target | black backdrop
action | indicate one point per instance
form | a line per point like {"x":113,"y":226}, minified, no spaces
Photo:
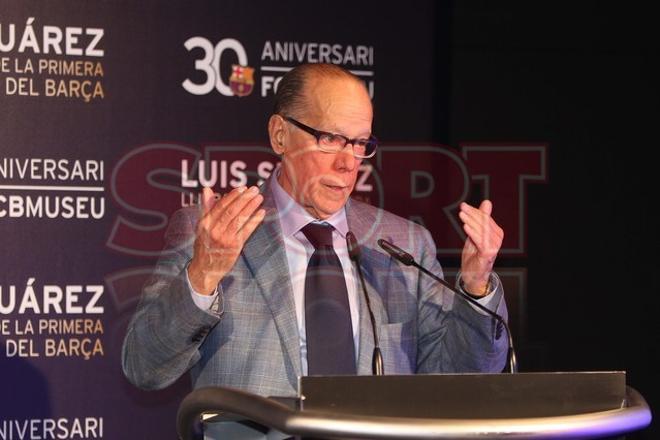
{"x":581,"y":76}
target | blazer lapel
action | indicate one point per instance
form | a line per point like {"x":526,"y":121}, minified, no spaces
{"x":265,"y":256}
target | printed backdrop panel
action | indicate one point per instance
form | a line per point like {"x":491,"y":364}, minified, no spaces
{"x":114,"y":114}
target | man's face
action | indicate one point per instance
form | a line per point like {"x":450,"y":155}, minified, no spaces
{"x":322,"y":182}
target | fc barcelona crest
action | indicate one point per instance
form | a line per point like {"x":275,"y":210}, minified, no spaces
{"x":241,"y":80}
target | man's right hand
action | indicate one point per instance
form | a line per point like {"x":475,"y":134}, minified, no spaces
{"x":222,"y":230}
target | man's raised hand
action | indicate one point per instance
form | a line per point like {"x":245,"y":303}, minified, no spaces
{"x":222,"y":230}
{"x":484,"y":240}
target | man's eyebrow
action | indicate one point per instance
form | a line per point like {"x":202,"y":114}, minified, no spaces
{"x":336,"y":130}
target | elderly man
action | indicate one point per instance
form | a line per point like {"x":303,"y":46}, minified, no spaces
{"x":257,"y":289}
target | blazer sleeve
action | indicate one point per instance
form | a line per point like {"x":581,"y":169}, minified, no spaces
{"x":453,"y":337}
{"x":163,"y":338}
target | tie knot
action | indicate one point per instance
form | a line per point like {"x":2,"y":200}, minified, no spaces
{"x":319,"y":234}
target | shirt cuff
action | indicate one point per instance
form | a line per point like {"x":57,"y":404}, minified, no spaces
{"x":204,"y":302}
{"x":490,"y":300}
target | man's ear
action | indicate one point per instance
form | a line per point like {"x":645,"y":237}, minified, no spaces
{"x":276,"y":133}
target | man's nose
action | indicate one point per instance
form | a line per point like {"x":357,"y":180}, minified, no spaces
{"x":345,"y":160}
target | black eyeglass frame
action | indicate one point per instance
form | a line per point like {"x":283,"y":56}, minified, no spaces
{"x":372,"y":141}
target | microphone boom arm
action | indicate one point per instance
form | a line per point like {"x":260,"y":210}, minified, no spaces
{"x":354,"y":254}
{"x":408,"y":260}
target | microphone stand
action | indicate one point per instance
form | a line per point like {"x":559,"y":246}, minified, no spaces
{"x":354,"y":254}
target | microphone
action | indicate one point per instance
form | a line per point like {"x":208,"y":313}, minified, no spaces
{"x":408,"y":260}
{"x":354,"y":255}
{"x":398,"y":253}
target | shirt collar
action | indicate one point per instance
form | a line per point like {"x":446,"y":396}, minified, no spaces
{"x":293,"y":217}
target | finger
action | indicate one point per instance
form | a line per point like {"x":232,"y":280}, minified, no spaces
{"x":480,"y":217}
{"x":234,"y":209}
{"x":488,"y":244}
{"x":226,"y":209}
{"x":469,"y":247}
{"x":469,"y":209}
{"x":474,"y":218}
{"x":486,"y":207}
{"x":225,"y":201}
{"x":477,"y":238}
{"x":249,"y":226}
{"x":208,"y":199}
{"x":242,"y":217}
{"x":474,"y":234}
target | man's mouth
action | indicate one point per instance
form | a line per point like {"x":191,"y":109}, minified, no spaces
{"x":335,"y":187}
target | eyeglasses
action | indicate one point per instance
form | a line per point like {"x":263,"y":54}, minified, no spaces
{"x":334,"y":143}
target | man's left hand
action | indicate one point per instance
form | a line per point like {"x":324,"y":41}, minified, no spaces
{"x":484,"y":240}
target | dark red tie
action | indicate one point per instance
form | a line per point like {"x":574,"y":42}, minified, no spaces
{"x":330,"y":347}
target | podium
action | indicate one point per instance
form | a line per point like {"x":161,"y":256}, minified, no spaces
{"x":438,"y":406}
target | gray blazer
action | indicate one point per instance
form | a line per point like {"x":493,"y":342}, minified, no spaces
{"x":249,"y":340}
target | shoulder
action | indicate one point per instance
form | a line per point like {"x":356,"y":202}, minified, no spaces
{"x":374,"y":223}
